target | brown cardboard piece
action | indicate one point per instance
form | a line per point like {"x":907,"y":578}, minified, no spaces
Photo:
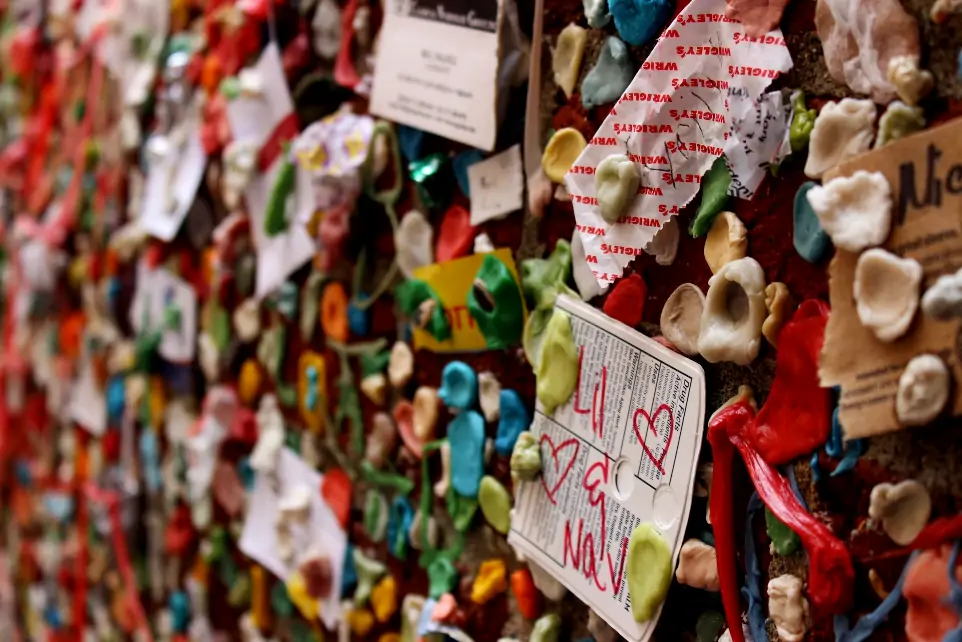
{"x":925,"y":172}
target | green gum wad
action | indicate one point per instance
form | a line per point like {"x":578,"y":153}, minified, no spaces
{"x":526,"y":457}
{"x":374,"y":363}
{"x":649,"y":571}
{"x":496,"y":305}
{"x":442,"y":577}
{"x":557,"y":371}
{"x":898,"y":121}
{"x":802,"y":123}
{"x":369,"y":571}
{"x":495,"y":504}
{"x":461,"y":509}
{"x":420,"y":302}
{"x":542,"y":281}
{"x":714,"y":196}
{"x":546,"y":628}
{"x":784,"y":539}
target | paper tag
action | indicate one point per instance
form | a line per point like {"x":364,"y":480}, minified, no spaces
{"x":623,"y":451}
{"x":451,"y":281}
{"x":924,"y":173}
{"x":758,"y":140}
{"x":156,"y":290}
{"x":673,"y":120}
{"x":497,"y":186}
{"x":437,"y":68}
{"x":176,"y":177}
{"x":88,"y":403}
{"x":259,"y":538}
{"x":280,"y":256}
{"x":255,"y":119}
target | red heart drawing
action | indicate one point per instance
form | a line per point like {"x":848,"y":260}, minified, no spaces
{"x":554,"y":455}
{"x":651,"y":426}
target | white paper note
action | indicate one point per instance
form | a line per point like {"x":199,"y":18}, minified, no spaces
{"x":255,"y":118}
{"x":437,"y":68}
{"x":758,"y":139}
{"x":176,"y":176}
{"x":496,"y":185}
{"x":259,"y":538}
{"x":88,"y":403}
{"x":673,"y":120}
{"x":622,"y":451}
{"x":156,"y":290}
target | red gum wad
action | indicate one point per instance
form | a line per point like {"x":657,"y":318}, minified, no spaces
{"x":626,"y":303}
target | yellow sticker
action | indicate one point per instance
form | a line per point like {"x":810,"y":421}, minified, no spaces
{"x":452,"y":281}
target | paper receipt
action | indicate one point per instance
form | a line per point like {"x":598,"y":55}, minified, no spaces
{"x":622,"y":451}
{"x":673,"y":121}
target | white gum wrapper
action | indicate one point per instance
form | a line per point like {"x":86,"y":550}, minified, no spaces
{"x":673,"y":120}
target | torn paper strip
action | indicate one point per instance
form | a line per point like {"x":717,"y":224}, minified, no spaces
{"x":758,"y":138}
{"x":674,"y":120}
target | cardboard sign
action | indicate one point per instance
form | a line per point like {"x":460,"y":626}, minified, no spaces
{"x":452,"y":280}
{"x":437,"y":68}
{"x":622,"y":451}
{"x":925,"y":173}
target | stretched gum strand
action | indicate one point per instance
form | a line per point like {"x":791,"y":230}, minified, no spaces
{"x":830,"y":570}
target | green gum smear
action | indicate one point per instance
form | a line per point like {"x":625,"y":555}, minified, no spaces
{"x":496,"y":305}
{"x":649,"y":571}
{"x":410,"y":295}
{"x":714,"y":196}
{"x":557,"y":371}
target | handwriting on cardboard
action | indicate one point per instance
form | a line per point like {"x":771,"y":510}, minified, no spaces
{"x":925,"y":173}
{"x":621,"y":452}
{"x":673,"y":120}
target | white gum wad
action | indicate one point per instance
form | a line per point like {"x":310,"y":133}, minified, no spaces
{"x":855,"y":211}
{"x":923,"y":390}
{"x":731,"y":323}
{"x":886,"y":292}
{"x":842,"y":130}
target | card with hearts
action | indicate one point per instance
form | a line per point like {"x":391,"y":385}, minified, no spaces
{"x":621,"y":452}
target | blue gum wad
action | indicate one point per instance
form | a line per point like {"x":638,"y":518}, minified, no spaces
{"x":398,"y":526}
{"x":459,"y":386}
{"x":461,"y":163}
{"x":557,"y":371}
{"x":466,"y":437}
{"x":639,"y":21}
{"x":358,"y":319}
{"x":610,"y":76}
{"x":410,"y":140}
{"x":348,"y":572}
{"x":514,"y":420}
{"x":810,"y":240}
